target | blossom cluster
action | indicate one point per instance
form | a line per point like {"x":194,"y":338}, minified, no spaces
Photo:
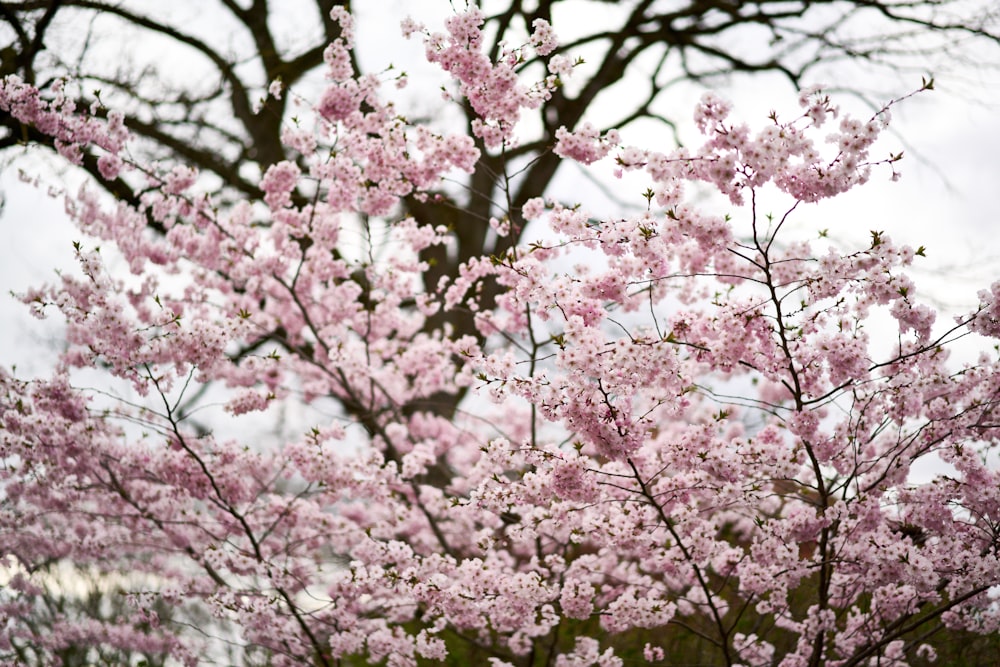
{"x":493,"y":89}
{"x":672,"y":421}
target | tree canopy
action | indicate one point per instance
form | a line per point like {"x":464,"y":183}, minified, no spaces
{"x":663,"y":435}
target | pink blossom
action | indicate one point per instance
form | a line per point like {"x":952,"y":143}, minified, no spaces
{"x":662,"y":418}
{"x":275,"y":89}
{"x":543,"y":38}
{"x":278,"y":183}
{"x":585,"y":145}
{"x":533,"y":209}
{"x":560,"y":65}
{"x":338,"y":102}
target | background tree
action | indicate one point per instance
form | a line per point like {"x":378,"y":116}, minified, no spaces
{"x":613,"y":490}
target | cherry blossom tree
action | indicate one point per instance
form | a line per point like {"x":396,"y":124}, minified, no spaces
{"x":197,"y":106}
{"x":681,"y":434}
